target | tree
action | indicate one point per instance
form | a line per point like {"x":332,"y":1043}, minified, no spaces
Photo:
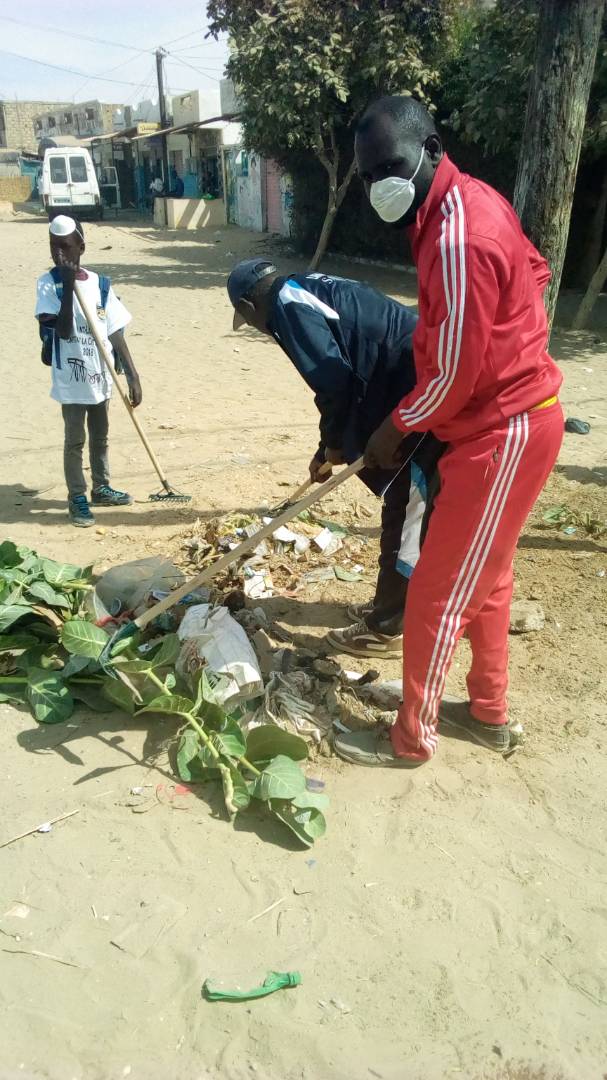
{"x":305,"y":69}
{"x":567,"y":43}
{"x":591,"y":295}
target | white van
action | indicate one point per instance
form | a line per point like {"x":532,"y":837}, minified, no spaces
{"x":69,"y":183}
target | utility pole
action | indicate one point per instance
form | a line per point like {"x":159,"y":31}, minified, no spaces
{"x":160,"y":55}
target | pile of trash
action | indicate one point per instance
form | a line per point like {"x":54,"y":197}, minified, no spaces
{"x":252,"y":665}
{"x":294,"y":559}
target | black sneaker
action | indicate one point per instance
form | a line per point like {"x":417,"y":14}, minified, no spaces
{"x":80,"y":512}
{"x":455,"y":713}
{"x":108,"y":496}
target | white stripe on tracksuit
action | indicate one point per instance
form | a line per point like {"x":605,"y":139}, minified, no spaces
{"x":454,"y":280}
{"x":467,"y":579}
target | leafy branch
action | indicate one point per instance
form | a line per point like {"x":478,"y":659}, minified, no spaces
{"x":50,"y":659}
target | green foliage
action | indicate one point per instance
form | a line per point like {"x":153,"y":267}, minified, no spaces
{"x":305,"y":67}
{"x":51,"y":665}
{"x":485,"y":76}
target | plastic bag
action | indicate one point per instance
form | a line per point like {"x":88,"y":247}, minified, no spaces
{"x":212,"y":638}
{"x":132,"y":582}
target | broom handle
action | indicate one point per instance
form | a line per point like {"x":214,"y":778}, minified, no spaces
{"x":102,"y":350}
{"x":324,"y":468}
{"x":247,"y":545}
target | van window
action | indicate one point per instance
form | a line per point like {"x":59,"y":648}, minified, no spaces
{"x":58,"y":170}
{"x":78,"y":170}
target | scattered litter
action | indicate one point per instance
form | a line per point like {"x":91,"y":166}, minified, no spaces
{"x":289,"y":702}
{"x":600,"y":573}
{"x":45,"y":827}
{"x":526,"y":616}
{"x":328,"y":542}
{"x":18,"y":911}
{"x":311,"y":863}
{"x":274,"y":980}
{"x":576,"y":427}
{"x":257,"y":584}
{"x":315,"y":785}
{"x":340,"y":1005}
{"x":43,"y":956}
{"x":266,"y":911}
{"x":213,"y":639}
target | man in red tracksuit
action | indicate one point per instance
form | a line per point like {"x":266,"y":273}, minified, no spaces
{"x":485,"y":385}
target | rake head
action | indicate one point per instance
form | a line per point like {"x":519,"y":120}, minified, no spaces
{"x":170,"y":496}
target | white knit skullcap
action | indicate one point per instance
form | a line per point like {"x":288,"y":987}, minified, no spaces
{"x":63,"y":225}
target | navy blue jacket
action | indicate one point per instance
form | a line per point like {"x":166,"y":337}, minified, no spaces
{"x":353,"y":347}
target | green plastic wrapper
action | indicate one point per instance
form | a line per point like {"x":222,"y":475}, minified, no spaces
{"x":274,"y":980}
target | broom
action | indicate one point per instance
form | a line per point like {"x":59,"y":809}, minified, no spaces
{"x":169,"y":494}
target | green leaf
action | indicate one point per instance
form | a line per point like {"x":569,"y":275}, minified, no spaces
{"x":83,"y":638}
{"x":14,"y":642}
{"x":188,"y":763}
{"x":168,"y":652}
{"x":118,"y":694}
{"x":11,"y":613}
{"x":73,"y":665}
{"x":281,"y":779}
{"x":60,"y":573}
{"x":235,"y":792}
{"x":307,"y":824}
{"x":133,"y":665}
{"x":49,"y":697}
{"x":311,"y":800}
{"x":268,"y":740}
{"x":9,"y":554}
{"x":171,"y":704}
{"x":92,"y":696}
{"x":230,"y":740}
{"x":43,"y":591}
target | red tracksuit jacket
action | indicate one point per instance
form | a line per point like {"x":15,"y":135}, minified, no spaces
{"x":480,"y":343}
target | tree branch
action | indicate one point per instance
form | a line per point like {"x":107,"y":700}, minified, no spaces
{"x":345,"y":184}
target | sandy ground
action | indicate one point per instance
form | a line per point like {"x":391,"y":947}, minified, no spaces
{"x":453,"y":920}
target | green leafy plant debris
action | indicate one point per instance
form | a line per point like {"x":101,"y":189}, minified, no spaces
{"x":49,"y":660}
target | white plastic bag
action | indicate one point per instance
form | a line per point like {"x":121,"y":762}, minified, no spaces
{"x":211,"y":637}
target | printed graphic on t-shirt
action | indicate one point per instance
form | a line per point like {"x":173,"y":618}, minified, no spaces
{"x":79,"y":374}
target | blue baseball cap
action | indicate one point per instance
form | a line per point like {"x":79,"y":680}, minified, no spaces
{"x":243,"y":279}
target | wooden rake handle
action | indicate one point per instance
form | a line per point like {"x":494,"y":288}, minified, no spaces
{"x":103,"y":352}
{"x":247,"y":545}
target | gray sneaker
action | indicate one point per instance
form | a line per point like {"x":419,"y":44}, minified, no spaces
{"x":453,"y":712}
{"x":371,"y":748}
{"x":358,"y":640}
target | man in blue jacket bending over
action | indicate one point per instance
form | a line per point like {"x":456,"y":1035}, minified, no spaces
{"x":352,"y":345}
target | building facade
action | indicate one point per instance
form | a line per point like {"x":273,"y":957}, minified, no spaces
{"x":84,"y":120}
{"x":17,"y":122}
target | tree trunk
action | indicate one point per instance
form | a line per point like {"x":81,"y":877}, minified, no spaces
{"x":330,"y":160}
{"x":567,"y":42}
{"x":591,"y":295}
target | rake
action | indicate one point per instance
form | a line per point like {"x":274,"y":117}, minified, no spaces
{"x":131,"y":628}
{"x":169,"y":494}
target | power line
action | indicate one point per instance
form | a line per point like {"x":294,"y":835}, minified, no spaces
{"x":73,"y":71}
{"x":72,"y":33}
{"x":128,"y":60}
{"x":178,"y":60}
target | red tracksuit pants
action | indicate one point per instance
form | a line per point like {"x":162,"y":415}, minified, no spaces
{"x":463,"y":580}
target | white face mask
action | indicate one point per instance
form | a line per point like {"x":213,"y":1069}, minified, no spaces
{"x":393,"y":196}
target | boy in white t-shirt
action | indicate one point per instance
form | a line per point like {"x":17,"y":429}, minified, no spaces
{"x":80,"y":381}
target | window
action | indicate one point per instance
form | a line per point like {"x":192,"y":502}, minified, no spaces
{"x":58,"y":170}
{"x":51,"y":121}
{"x":67,"y":118}
{"x":78,"y":170}
{"x":90,"y":114}
{"x":38,"y":125}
